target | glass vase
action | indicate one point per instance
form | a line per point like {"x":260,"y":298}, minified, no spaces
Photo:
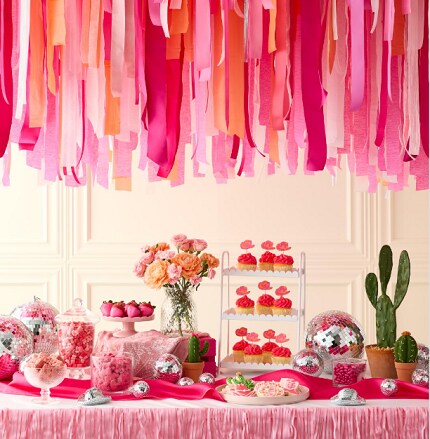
{"x":178,"y":312}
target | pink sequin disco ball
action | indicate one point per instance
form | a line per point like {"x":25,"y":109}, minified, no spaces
{"x":335,"y":335}
{"x":168,"y":368}
{"x":16,"y":342}
{"x":39,"y":317}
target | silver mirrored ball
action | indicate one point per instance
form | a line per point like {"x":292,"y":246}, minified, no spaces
{"x":140,"y":389}
{"x":389,"y":387}
{"x":421,"y":377}
{"x":307,"y":361}
{"x":185,"y":381}
{"x":207,"y":378}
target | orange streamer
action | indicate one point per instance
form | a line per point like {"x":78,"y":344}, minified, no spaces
{"x":178,"y":19}
{"x":398,"y":42}
{"x":189,"y":37}
{"x":218,"y":75}
{"x":112,"y":115}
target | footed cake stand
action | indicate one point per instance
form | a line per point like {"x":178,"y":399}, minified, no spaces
{"x":127,"y":324}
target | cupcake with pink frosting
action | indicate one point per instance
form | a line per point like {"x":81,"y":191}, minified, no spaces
{"x":244,"y":305}
{"x":283,"y":262}
{"x":247,"y":261}
{"x":265,"y":263}
{"x":282,"y":305}
{"x":265,"y":301}
{"x":253,"y":352}
{"x":281,"y":355}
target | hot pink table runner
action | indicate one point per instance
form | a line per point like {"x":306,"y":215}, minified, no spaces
{"x":320,"y":388}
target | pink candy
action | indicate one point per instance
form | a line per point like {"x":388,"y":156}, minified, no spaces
{"x":111,"y":373}
{"x":345,"y":374}
{"x":76,"y":340}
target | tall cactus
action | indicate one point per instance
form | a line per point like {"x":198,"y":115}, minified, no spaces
{"x":405,"y":349}
{"x":386,"y":324}
{"x":194,"y":352}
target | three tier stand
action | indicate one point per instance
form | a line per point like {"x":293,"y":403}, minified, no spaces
{"x":228,"y":312}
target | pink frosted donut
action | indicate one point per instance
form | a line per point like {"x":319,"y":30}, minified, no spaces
{"x":269,"y":388}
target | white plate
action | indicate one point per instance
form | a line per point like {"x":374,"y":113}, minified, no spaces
{"x":265,"y":400}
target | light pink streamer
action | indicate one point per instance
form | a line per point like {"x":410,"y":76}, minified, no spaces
{"x":117,"y":46}
{"x":357,"y":55}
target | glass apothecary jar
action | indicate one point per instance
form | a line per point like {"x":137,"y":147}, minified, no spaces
{"x":112,"y":373}
{"x":348,"y":371}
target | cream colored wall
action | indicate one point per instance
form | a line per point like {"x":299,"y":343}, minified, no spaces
{"x":58,"y":243}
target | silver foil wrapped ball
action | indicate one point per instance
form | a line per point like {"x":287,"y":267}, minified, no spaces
{"x":39,"y":317}
{"x":389,"y":387}
{"x":335,"y":335}
{"x":307,"y":361}
{"x":140,"y":389}
{"x":421,"y":377}
{"x":16,"y":342}
{"x":423,"y":356}
{"x":185,"y":381}
{"x":168,"y":368}
{"x":207,"y":378}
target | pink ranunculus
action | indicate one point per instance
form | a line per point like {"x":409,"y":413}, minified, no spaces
{"x":147,"y":258}
{"x":199,"y":245}
{"x":195,"y":280}
{"x":178,"y":240}
{"x":139,"y":269}
{"x":166,"y":254}
{"x":186,"y":245}
{"x":174,"y":272}
{"x":211,"y":273}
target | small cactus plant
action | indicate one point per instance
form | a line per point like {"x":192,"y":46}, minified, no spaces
{"x":386,"y":324}
{"x":405,"y":349}
{"x":194,"y":352}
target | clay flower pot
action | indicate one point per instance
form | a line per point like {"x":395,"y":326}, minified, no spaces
{"x":381,"y":362}
{"x":405,"y":370}
{"x":192,"y":370}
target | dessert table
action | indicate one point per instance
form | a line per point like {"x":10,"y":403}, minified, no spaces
{"x":207,"y":418}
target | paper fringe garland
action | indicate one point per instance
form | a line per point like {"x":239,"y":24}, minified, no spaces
{"x":85,"y":83}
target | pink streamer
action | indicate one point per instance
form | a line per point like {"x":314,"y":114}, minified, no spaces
{"x":255,"y":29}
{"x":357,"y":55}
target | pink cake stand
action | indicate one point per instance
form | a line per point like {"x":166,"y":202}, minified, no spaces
{"x":127,"y":324}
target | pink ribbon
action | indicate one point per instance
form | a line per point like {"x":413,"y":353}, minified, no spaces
{"x":265,"y":81}
{"x":357,"y":55}
{"x":312,"y":91}
{"x":6,"y":97}
{"x":423,"y":68}
{"x":202,"y":40}
{"x":382,"y":116}
{"x":255,"y":29}
{"x":117,"y":46}
{"x":139,"y":48}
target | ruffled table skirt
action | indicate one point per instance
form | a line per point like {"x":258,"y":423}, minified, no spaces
{"x":171,"y":419}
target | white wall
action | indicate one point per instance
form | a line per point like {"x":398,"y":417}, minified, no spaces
{"x":59,"y":243}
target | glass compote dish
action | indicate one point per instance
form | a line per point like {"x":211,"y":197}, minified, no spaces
{"x":44,"y":372}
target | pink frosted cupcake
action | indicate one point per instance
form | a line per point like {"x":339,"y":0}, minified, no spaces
{"x":283,"y":263}
{"x":247,"y":262}
{"x":253,"y":354}
{"x":281,"y":355}
{"x":264,"y":304}
{"x":238,"y":351}
{"x":267,"y":349}
{"x":266,"y":260}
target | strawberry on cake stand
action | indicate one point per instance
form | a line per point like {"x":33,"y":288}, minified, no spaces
{"x":128,"y":314}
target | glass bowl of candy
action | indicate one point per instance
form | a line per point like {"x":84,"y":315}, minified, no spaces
{"x":44,"y":371}
{"x":348,"y":371}
{"x":112,"y":372}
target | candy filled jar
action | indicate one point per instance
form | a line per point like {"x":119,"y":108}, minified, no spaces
{"x":112,"y":373}
{"x":76,"y":329}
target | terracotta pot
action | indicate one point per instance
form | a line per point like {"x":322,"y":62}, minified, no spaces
{"x":381,"y":362}
{"x":405,"y":370}
{"x":192,"y":370}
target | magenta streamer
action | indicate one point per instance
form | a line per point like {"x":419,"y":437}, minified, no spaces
{"x":6,"y":73}
{"x":155,"y":69}
{"x":357,"y":55}
{"x":383,"y":103}
{"x":312,"y":91}
{"x":264,"y":85}
{"x":139,"y":53}
{"x":423,"y":66}
{"x":226,"y":63}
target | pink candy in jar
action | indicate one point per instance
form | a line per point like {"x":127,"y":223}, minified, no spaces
{"x":76,"y":329}
{"x":111,"y":372}
{"x":347,"y":372}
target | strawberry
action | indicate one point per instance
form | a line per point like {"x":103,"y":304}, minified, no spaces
{"x":133,"y":311}
{"x":106,"y":307}
{"x":118,"y":310}
{"x":146,"y":309}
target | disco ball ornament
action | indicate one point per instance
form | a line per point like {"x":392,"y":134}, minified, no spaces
{"x":335,"y":335}
{"x":140,"y":389}
{"x":207,"y":378}
{"x":423,"y":356}
{"x":16,"y":342}
{"x":168,"y":368}
{"x":421,"y":377}
{"x":389,"y":387}
{"x":307,"y":361}
{"x":185,"y":381}
{"x":39,"y":317}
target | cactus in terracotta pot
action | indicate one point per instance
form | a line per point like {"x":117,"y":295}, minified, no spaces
{"x":405,"y":355}
{"x":381,"y":356}
{"x":194,"y":351}
{"x":386,"y":324}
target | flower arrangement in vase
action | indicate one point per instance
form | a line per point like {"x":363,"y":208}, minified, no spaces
{"x":179,"y":272}
{"x":381,"y":355}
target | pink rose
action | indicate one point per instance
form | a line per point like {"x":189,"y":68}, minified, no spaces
{"x":167,"y":254}
{"x":177,"y":240}
{"x":199,"y":244}
{"x":147,"y":258}
{"x":139,"y":269}
{"x":211,"y":273}
{"x":174,"y":272}
{"x":195,"y":280}
{"x":186,"y":245}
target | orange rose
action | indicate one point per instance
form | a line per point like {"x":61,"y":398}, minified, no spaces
{"x":160,"y":247}
{"x":190,"y":264}
{"x":156,"y":274}
{"x":211,"y":260}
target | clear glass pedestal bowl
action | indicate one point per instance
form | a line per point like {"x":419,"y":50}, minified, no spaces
{"x":45,"y":378}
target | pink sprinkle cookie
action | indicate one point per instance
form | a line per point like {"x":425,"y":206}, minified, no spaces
{"x":290,"y":385}
{"x":76,"y":340}
{"x":111,"y":373}
{"x":269,"y":388}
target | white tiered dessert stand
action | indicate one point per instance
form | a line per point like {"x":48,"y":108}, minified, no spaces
{"x":228,"y":312}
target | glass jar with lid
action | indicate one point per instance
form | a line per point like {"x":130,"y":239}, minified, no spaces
{"x":76,"y":329}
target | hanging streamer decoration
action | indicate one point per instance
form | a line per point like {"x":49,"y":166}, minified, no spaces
{"x":220,"y":84}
